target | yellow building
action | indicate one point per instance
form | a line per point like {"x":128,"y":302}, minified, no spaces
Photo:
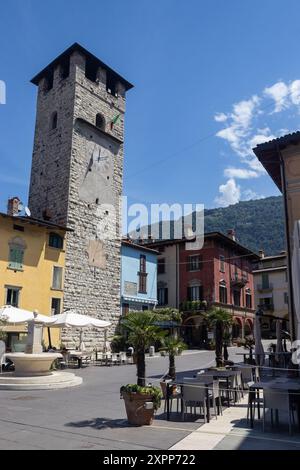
{"x":32,"y":258}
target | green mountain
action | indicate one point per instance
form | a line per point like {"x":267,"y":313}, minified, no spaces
{"x":259,"y":224}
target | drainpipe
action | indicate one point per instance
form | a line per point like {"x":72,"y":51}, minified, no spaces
{"x":177,"y":275}
{"x":288,"y":241}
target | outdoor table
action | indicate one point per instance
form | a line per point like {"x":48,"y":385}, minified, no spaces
{"x":245,"y":354}
{"x":286,"y":385}
{"x":222,"y":374}
{"x":78,"y":356}
{"x":206,"y":382}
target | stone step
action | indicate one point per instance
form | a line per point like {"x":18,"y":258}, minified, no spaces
{"x":56,"y":380}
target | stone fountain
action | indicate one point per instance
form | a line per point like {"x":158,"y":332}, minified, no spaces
{"x":33,"y":367}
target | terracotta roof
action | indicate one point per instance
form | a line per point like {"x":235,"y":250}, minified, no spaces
{"x":269,"y":154}
{"x":33,"y":221}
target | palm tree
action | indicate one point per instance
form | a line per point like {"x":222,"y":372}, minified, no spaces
{"x":173,"y":346}
{"x":142,"y":332}
{"x":221,"y":320}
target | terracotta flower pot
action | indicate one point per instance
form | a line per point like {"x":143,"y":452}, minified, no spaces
{"x":136,"y":413}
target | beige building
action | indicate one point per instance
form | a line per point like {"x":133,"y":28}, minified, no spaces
{"x":281,"y":159}
{"x":271,"y":291}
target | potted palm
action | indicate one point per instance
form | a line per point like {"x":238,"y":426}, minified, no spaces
{"x":141,"y":400}
{"x":173,"y":346}
{"x":221,"y":320}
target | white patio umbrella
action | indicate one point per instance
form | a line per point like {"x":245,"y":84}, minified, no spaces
{"x":279,"y":347}
{"x":296,"y":274}
{"x":71,"y":319}
{"x":15,"y":315}
{"x":259,"y":350}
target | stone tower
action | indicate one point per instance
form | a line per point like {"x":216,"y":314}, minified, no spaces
{"x":77,"y":176}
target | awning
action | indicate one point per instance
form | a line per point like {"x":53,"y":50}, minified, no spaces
{"x":139,"y":300}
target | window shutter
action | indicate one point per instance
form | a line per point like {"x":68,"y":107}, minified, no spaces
{"x":166,"y":296}
{"x":189,"y":293}
{"x":16,"y":258}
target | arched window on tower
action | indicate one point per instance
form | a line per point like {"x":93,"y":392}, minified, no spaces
{"x":100,"y":121}
{"x":53,"y":123}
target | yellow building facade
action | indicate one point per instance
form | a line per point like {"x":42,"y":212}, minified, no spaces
{"x":32,"y":259}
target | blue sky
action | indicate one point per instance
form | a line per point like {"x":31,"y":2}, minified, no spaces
{"x":212,"y":78}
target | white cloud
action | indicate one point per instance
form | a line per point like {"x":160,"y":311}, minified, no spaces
{"x":260,"y":139}
{"x":243,"y":130}
{"x":240,"y":173}
{"x":279,"y":92}
{"x":221,"y":117}
{"x":295,"y":92}
{"x":248,"y":195}
{"x":240,"y":121}
{"x":230,"y":193}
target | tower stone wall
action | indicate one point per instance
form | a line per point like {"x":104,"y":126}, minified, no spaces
{"x":76,"y":180}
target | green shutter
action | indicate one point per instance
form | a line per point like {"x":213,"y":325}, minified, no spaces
{"x":16,"y":256}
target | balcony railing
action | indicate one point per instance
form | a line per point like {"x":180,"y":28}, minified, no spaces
{"x":267,"y":307}
{"x":237,"y":280}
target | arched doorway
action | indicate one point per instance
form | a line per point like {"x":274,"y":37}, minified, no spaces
{"x":195,"y":332}
{"x":248,"y":327}
{"x":237,"y":328}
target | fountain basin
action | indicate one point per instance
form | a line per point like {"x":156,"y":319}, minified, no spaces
{"x":56,"y":380}
{"x":32,"y":364}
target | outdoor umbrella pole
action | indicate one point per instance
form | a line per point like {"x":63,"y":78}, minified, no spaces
{"x":49,"y":338}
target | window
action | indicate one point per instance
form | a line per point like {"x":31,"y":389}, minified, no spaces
{"x":56,"y":241}
{"x":194,"y":293}
{"x":53,"y":122}
{"x":65,"y":69}
{"x":142,"y":263}
{"x":145,"y":308}
{"x":100,"y":121}
{"x":57,"y":278}
{"x":142,"y":275}
{"x":55,"y":306}
{"x":91,"y":69}
{"x":125,"y":309}
{"x":48,"y":84}
{"x":237,"y":298}
{"x":265,"y":280}
{"x":12,"y":296}
{"x":248,"y":299}
{"x":222,"y":263}
{"x":223,"y":293}
{"x":286,"y":298}
{"x":194,"y":263}
{"x":16,"y":257}
{"x":161,"y":266}
{"x":19,"y":228}
{"x":162,"y":296}
{"x":111,"y":85}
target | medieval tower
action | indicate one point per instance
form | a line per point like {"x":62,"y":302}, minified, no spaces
{"x":77,"y":176}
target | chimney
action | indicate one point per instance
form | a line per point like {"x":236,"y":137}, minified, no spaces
{"x":261,"y":254}
{"x":13,"y":206}
{"x":231,"y":234}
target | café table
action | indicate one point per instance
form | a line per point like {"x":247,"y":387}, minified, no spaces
{"x":292,"y":386}
{"x":225,"y":375}
{"x":207,"y":382}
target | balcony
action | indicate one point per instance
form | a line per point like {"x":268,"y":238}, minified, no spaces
{"x":238,"y":281}
{"x":267,"y":307}
{"x":264,"y":287}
